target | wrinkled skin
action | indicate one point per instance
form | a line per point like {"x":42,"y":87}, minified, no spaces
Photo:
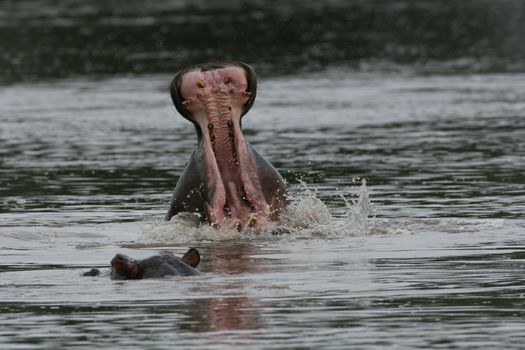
{"x":226,"y":180}
{"x":164,"y":264}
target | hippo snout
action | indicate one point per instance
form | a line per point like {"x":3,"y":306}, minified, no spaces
{"x":124,"y":267}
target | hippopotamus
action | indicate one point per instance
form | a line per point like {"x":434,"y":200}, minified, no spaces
{"x":226,"y":181}
{"x":163,"y":264}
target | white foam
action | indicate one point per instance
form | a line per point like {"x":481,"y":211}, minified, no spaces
{"x":306,"y":217}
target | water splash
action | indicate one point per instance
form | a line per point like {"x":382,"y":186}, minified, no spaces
{"x":306,"y":217}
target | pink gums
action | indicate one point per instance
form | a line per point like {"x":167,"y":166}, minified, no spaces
{"x":215,"y":100}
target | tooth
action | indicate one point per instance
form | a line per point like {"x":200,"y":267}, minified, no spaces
{"x":253,"y":221}
{"x":186,"y":103}
{"x":237,"y":224}
{"x":246,"y":94}
{"x":274,"y":209}
{"x":227,"y":79}
{"x":201,"y":84}
{"x":210,"y":216}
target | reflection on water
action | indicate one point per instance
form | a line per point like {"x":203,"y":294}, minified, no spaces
{"x":236,"y":310}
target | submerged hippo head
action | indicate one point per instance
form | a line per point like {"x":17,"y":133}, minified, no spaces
{"x":163,"y":264}
{"x":225,"y":179}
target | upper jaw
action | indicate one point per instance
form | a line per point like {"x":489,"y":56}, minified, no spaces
{"x":211,"y":74}
{"x":215,"y":98}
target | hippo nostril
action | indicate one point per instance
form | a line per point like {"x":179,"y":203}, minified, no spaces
{"x":228,"y":79}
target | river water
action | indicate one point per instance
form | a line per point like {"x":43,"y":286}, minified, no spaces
{"x":406,"y":228}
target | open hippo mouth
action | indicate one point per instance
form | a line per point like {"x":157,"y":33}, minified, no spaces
{"x":215,"y":97}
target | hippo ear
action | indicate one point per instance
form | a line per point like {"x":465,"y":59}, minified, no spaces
{"x":192,"y":257}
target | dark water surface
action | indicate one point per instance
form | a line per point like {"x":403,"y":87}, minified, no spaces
{"x":424,"y":99}
{"x":50,"y":38}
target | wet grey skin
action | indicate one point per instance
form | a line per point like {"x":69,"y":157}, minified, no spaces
{"x":225,"y":181}
{"x":163,"y":264}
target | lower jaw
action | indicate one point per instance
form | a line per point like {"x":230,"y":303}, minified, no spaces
{"x":236,"y":199}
